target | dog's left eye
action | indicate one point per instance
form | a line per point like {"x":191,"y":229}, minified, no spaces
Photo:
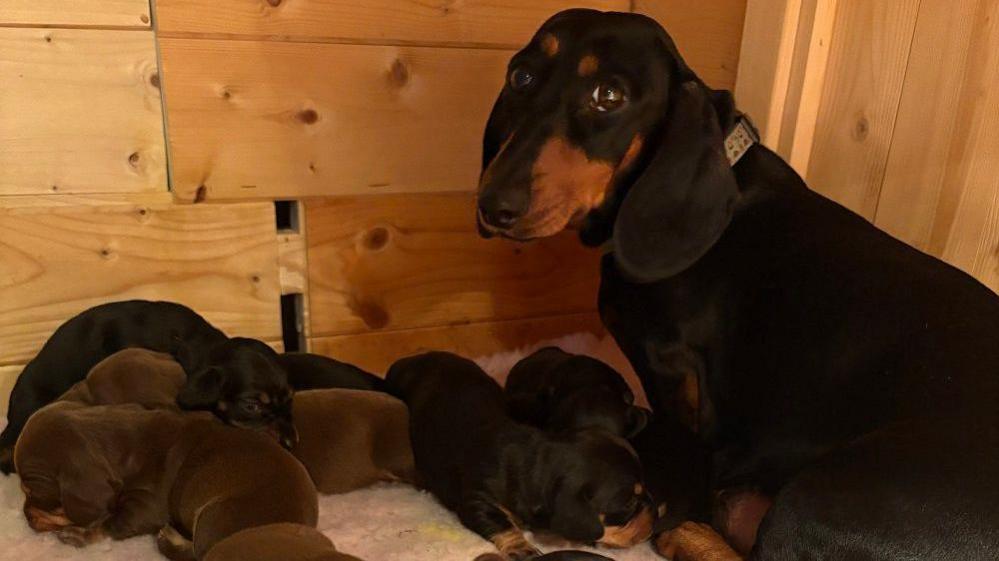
{"x":252,"y":407}
{"x":521,"y":78}
{"x":606,"y":97}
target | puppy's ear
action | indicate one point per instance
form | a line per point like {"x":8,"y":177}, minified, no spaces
{"x":573,"y":517}
{"x":683,"y":200}
{"x":638,"y":418}
{"x":202,"y":390}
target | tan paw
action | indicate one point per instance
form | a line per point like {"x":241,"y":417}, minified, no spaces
{"x":78,"y":536}
{"x":692,"y":541}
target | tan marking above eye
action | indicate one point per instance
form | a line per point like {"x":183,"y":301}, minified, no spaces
{"x":222,"y":406}
{"x":588,"y":66}
{"x":265,"y":398}
{"x":639,"y":489}
{"x":549,"y":44}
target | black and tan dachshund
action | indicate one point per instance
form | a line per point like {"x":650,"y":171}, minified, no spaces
{"x":496,"y":474}
{"x":239,"y":379}
{"x":846,"y":375}
{"x":559,"y":391}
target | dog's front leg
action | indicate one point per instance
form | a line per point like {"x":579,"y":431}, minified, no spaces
{"x":692,"y":541}
{"x":491,"y":521}
{"x":137,"y":513}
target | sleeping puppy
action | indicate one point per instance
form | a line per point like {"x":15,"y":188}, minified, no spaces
{"x":121,"y":471}
{"x":277,"y":542}
{"x":558,"y":391}
{"x":93,"y":335}
{"x":243,"y":383}
{"x":496,"y":473}
{"x":307,"y":371}
{"x":349,"y":439}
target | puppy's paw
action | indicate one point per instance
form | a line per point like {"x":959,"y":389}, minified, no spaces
{"x":78,"y":536}
{"x":7,"y":460}
{"x":513,"y":546}
{"x":174,"y":546}
{"x":692,"y":541}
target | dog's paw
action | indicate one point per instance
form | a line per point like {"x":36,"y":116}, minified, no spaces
{"x":692,"y":541}
{"x":174,"y":546}
{"x":7,"y":460}
{"x":513,"y":546}
{"x":77,"y":536}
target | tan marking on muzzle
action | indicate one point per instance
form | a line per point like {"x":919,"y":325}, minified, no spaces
{"x":588,"y":66}
{"x":636,"y":531}
{"x":549,"y":44}
{"x":46,"y":521}
{"x":566,"y":186}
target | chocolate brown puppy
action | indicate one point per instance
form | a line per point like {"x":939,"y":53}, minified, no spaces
{"x":277,"y":542}
{"x":350,"y":439}
{"x":558,"y":391}
{"x":140,"y":376}
{"x":121,"y":471}
{"x":499,"y":475}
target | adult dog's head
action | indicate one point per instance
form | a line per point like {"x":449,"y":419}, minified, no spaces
{"x":602,"y":127}
{"x":242,"y":382}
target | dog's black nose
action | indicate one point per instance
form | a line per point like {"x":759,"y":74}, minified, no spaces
{"x":500,"y":212}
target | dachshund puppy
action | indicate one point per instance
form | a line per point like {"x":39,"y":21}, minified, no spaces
{"x":232,"y":367}
{"x":496,"y":473}
{"x":138,"y":376}
{"x":307,"y":371}
{"x":121,"y":471}
{"x":277,"y":542}
{"x":243,"y":383}
{"x":349,"y":439}
{"x":558,"y":391}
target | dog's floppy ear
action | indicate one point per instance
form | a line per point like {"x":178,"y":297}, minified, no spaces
{"x":573,"y":518}
{"x":202,"y":390}
{"x":683,"y":200}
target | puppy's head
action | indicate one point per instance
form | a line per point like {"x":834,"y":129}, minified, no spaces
{"x":242,"y":382}
{"x":559,"y":391}
{"x":599,"y":107}
{"x":600,"y":495}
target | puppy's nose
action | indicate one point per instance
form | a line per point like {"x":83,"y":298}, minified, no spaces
{"x":502,"y":211}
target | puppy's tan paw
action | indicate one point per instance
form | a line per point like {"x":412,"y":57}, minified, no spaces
{"x":692,"y":541}
{"x":174,"y":546}
{"x":514,"y":546}
{"x":78,"y":536}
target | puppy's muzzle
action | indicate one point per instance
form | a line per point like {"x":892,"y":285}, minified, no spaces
{"x":637,"y":530}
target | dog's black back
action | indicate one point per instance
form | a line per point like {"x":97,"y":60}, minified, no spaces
{"x":90,"y":337}
{"x":307,"y":371}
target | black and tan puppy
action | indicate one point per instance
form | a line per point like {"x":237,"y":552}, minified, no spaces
{"x":497,"y":474}
{"x":121,"y":471}
{"x":220,"y":369}
{"x":277,"y":542}
{"x":349,"y":439}
{"x":308,"y":371}
{"x":559,"y":391}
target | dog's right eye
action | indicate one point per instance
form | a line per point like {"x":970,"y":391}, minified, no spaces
{"x":252,"y":407}
{"x":521,"y":78}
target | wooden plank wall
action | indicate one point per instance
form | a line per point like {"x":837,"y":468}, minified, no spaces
{"x":369,"y":114}
{"x":903,"y":130}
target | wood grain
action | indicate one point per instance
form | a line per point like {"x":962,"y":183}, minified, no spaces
{"x":406,"y":261}
{"x":859,"y":101}
{"x":932,"y":125}
{"x":262,"y":119}
{"x":375,"y":352}
{"x":91,"y":13}
{"x":8,"y":376}
{"x":504,"y":23}
{"x":708,"y":34}
{"x":79,"y":112}
{"x":220,"y":260}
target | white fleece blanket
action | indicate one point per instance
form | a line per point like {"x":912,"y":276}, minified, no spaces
{"x":381,"y":523}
